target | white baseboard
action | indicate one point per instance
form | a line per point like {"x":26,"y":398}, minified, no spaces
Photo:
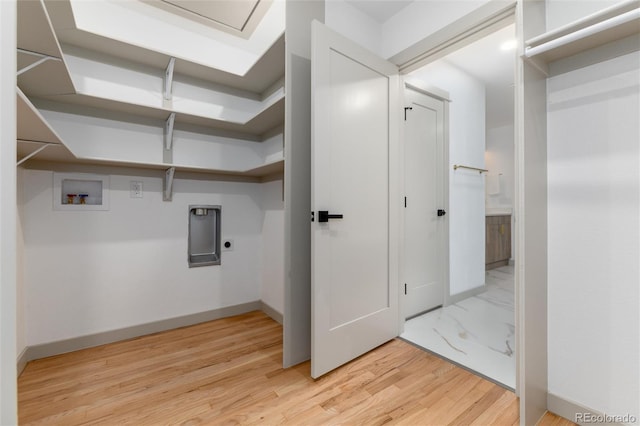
{"x":580,"y":414}
{"x":455,"y":298}
{"x":273,"y":313}
{"x":22,"y":360}
{"x":44,"y":350}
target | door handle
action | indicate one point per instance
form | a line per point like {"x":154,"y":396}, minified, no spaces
{"x":324,"y":216}
{"x":441,"y":212}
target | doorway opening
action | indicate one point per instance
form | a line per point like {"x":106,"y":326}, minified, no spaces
{"x":475,"y":327}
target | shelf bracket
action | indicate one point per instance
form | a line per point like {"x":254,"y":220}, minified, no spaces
{"x":167,"y":190}
{"x":43,"y":58}
{"x":168,"y":79}
{"x":34,"y":153}
{"x":168,"y":131}
{"x":537,"y":63}
{"x":167,"y":156}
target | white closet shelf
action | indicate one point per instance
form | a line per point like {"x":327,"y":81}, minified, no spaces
{"x":614,"y":23}
{"x":43,"y":74}
{"x":31,"y":125}
{"x":34,"y":135}
{"x":33,"y":132}
{"x":259,"y":78}
{"x":35,"y":31}
{"x":38,"y":45}
{"x":48,"y":78}
{"x":56,"y":155}
{"x":272,"y":115}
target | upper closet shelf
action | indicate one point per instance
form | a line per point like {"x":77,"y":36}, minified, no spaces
{"x":34,"y":135}
{"x":614,"y":23}
{"x":59,"y":154}
{"x":39,"y":141}
{"x":41,"y":70}
{"x":262,"y":117}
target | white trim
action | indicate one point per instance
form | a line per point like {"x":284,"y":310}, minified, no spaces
{"x":22,"y":360}
{"x":486,"y":19}
{"x":573,"y":411}
{"x":272,"y":312}
{"x":425,"y":89}
{"x":455,"y":298}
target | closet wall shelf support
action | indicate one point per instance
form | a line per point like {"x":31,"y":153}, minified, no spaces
{"x":168,"y":79}
{"x":167,"y":154}
{"x":538,"y":64}
{"x":168,"y":131}
{"x":44,"y":146}
{"x":167,"y":193}
{"x":42,"y":58}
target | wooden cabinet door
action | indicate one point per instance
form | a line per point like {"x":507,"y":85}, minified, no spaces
{"x":498,"y":241}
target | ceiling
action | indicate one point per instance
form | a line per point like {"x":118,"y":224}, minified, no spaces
{"x":494,"y":67}
{"x":380,"y":10}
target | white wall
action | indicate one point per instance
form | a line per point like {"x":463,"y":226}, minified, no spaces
{"x":466,"y":188}
{"x":562,"y":12}
{"x":594,"y":234}
{"x":499,"y":159}
{"x":272,"y":289}
{"x":8,"y":391}
{"x":353,"y":24}
{"x":88,"y":272}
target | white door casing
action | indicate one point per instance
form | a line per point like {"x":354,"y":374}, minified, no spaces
{"x":424,"y":257}
{"x":354,"y":168}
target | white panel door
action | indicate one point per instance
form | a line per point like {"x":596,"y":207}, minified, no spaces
{"x":424,"y":259}
{"x":354,"y":266}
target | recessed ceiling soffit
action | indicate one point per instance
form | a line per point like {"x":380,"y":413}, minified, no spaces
{"x":238,"y":17}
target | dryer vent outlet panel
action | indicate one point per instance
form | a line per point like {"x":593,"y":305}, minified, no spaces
{"x":204,"y":235}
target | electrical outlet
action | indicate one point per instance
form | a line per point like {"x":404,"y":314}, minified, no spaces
{"x":135,"y":189}
{"x":227,"y":245}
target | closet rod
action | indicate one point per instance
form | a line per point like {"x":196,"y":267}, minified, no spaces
{"x":583,"y":33}
{"x":460,"y":166}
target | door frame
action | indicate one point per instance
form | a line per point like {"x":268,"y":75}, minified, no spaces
{"x":441,"y":95}
{"x":530,"y":177}
{"x":530,"y":250}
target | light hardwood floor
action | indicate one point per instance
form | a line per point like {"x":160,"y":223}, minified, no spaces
{"x":229,"y":372}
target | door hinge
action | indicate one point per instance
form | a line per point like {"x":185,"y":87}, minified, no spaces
{"x":405,"y":288}
{"x":405,"y":112}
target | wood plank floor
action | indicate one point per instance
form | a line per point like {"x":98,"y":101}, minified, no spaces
{"x":229,"y":372}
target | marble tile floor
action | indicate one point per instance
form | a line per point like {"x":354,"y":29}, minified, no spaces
{"x":477,"y":333}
